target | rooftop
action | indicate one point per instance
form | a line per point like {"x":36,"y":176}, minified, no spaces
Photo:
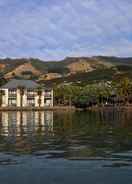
{"x":16,"y":83}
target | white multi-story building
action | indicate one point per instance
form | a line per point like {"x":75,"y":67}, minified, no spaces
{"x":25,"y":93}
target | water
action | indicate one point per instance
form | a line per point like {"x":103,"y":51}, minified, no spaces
{"x":66,"y":147}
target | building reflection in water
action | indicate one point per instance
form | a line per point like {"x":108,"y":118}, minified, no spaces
{"x":25,"y":123}
{"x":78,"y":134}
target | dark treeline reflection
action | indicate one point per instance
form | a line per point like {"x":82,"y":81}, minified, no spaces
{"x":71,"y":135}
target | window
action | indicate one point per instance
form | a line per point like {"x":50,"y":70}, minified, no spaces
{"x":12,"y":102}
{"x":12,"y":97}
{"x":12,"y":91}
{"x":47,"y":102}
{"x":30,"y":92}
{"x":31,"y":101}
{"x":47,"y":93}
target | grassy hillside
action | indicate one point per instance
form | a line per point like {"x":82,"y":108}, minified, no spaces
{"x":75,"y":69}
{"x":83,"y":78}
{"x":116,"y":60}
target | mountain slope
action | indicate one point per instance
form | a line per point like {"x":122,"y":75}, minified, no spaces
{"x":22,"y":69}
{"x":70,"y":69}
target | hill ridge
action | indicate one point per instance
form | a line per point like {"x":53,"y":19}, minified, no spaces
{"x":69,"y":67}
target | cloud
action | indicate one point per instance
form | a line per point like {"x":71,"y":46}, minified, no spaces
{"x":54,"y":29}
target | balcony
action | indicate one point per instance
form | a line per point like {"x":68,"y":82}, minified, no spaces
{"x":12,"y":102}
{"x":12,"y":95}
{"x":30,"y":94}
{"x":47,"y":95}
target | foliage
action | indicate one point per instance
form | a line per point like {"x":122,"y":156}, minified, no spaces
{"x":66,"y":94}
{"x":2,"y":79}
{"x":92,"y":94}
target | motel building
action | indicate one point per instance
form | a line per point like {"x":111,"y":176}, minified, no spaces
{"x":25,"y":93}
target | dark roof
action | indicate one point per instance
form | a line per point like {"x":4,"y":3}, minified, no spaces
{"x":15,"y":83}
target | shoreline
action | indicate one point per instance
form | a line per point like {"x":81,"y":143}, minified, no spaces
{"x":107,"y":108}
{"x":55,"y":108}
{"x":67,"y":108}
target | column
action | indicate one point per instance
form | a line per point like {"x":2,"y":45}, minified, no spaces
{"x":36,"y":101}
{"x":52,"y":98}
{"x":25,"y":98}
{"x":18,"y":98}
{"x":42,"y":99}
{"x":5,"y":98}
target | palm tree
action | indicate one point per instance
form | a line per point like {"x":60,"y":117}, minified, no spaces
{"x":123,"y":88}
{"x":39,"y":93}
{"x":122,"y":84}
{"x":21,"y":88}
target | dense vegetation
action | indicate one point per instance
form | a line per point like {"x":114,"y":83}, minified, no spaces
{"x":118,"y":91}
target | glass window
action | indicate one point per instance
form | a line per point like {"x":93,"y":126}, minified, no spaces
{"x":12,"y":91}
{"x":30,"y":92}
{"x":31,"y":102}
{"x":12,"y":102}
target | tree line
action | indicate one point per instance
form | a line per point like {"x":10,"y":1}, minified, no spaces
{"x":115,"y":92}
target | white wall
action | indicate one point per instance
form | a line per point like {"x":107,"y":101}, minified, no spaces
{"x":42,"y":99}
{"x":5,"y":98}
{"x":25,"y":98}
{"x":36,"y":101}
{"x":18,"y":101}
{"x":18,"y":98}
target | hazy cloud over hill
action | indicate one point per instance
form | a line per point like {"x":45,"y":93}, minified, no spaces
{"x":53,"y":29}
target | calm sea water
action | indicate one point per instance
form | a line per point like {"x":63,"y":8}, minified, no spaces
{"x":66,"y":147}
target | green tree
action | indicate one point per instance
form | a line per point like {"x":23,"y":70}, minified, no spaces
{"x":39,"y":92}
{"x":21,"y":89}
{"x":66,"y":94}
{"x":122,"y":85}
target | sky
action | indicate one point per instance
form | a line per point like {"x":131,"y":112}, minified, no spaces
{"x":55,"y":29}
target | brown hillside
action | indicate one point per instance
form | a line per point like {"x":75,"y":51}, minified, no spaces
{"x":50,"y":76}
{"x":23,"y":68}
{"x":80,"y":65}
{"x":2,"y":66}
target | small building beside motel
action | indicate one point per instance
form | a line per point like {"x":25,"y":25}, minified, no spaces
{"x":25,"y":93}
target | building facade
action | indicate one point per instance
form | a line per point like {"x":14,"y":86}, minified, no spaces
{"x":25,"y":93}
